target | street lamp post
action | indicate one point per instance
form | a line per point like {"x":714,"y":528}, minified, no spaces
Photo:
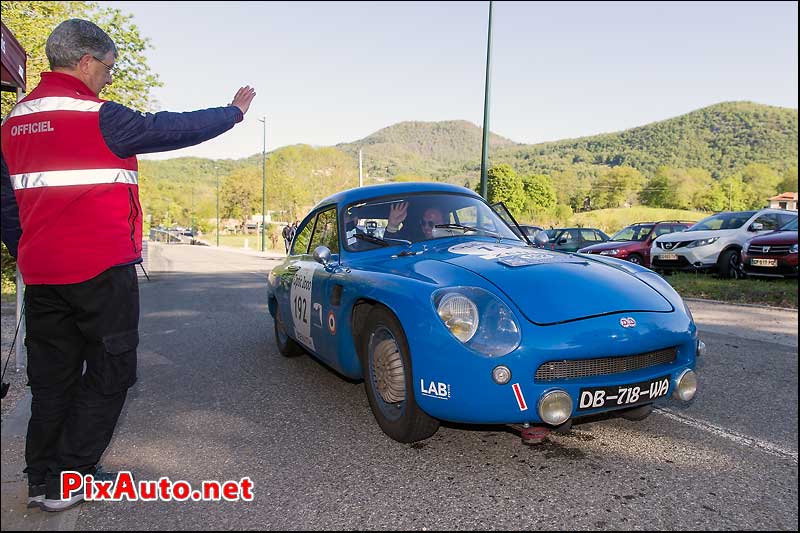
{"x":216,"y":172}
{"x":263,"y":184}
{"x":485,"y":147}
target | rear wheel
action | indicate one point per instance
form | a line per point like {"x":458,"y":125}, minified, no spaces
{"x":286,"y":345}
{"x":728,"y":264}
{"x":387,"y":379}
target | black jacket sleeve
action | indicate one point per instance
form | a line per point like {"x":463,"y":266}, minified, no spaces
{"x":128,"y":132}
{"x":11,"y":230}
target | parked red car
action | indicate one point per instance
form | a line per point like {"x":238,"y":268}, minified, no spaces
{"x":633,"y":242}
{"x":772,"y":255}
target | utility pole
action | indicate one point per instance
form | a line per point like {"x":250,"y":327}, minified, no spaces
{"x":263,"y":183}
{"x":485,"y":147}
{"x":360,"y":175}
{"x":216,"y":173}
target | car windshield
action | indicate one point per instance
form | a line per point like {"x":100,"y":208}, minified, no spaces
{"x":637,"y":232}
{"x":419,"y":217}
{"x":791,"y":226}
{"x":723,"y":221}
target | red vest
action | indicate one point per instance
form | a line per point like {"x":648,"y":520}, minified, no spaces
{"x":78,"y":202}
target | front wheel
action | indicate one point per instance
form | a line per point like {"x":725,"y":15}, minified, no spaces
{"x":636,"y":259}
{"x":286,"y":345}
{"x":728,"y":264}
{"x":387,"y":379}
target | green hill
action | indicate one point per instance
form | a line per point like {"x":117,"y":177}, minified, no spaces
{"x":438,"y":150}
{"x":721,"y":138}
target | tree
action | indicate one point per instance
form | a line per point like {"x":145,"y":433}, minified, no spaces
{"x":33,"y":21}
{"x":617,"y":186}
{"x":503,"y":185}
{"x":789,"y":181}
{"x":240,"y":194}
{"x":762,"y":184}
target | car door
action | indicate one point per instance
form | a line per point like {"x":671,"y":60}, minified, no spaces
{"x":302,"y":291}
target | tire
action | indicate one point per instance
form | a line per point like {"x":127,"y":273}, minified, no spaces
{"x":286,"y":345}
{"x":728,"y":264}
{"x":636,"y":259}
{"x":386,"y":362}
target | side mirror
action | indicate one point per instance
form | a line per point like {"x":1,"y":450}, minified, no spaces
{"x":322,"y":255}
{"x":540,"y":239}
{"x":562,"y":240}
{"x":756,"y":226}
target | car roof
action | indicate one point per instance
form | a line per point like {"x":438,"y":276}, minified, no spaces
{"x":373,"y":191}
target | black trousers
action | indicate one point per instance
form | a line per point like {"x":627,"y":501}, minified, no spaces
{"x":81,"y":341}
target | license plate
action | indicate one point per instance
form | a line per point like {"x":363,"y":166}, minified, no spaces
{"x":764,"y":262}
{"x":668,"y":257}
{"x":623,"y":395}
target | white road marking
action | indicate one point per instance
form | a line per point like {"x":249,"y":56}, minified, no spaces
{"x":752,"y":442}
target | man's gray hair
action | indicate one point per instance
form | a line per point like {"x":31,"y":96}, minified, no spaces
{"x":73,"y":39}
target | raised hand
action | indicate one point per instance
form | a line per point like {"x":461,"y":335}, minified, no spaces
{"x":243,"y":98}
{"x":397,"y":214}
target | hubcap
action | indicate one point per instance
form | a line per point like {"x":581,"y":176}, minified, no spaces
{"x":388,"y":374}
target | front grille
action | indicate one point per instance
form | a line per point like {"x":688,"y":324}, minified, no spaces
{"x":768,"y":250}
{"x":602,"y":366}
{"x":672,"y":245}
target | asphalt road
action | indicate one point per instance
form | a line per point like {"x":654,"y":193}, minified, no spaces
{"x":215,"y":400}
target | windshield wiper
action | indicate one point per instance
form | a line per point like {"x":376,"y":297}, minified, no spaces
{"x":378,"y":240}
{"x":468,"y":228}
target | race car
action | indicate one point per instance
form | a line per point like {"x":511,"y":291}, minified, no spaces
{"x":448,"y":313}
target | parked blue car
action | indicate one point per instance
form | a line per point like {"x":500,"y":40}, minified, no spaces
{"x":443,"y":307}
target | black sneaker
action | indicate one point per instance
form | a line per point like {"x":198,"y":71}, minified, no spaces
{"x":53,"y":505}
{"x":36,"y":494}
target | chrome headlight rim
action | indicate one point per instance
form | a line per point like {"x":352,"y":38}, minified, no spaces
{"x":679,"y":393}
{"x":473,"y":309}
{"x":567,"y":410}
{"x":793,"y":249}
{"x":498,"y":332}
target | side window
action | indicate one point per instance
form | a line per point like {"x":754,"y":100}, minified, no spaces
{"x":785,"y":219}
{"x":663,"y":229}
{"x":325,"y":232}
{"x":590,"y":235}
{"x":769,"y":220}
{"x":300,"y":245}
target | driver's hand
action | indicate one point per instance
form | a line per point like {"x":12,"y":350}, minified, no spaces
{"x":397,"y":213}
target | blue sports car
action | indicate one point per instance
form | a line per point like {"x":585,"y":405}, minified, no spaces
{"x":440,"y":303}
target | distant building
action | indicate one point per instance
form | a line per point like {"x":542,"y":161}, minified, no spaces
{"x":787,"y":200}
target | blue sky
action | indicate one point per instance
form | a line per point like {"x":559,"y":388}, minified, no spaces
{"x":334,"y":72}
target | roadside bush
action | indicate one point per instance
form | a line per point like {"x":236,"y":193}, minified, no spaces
{"x":9,"y":269}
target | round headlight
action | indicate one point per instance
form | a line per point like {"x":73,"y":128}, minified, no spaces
{"x":460,"y":316}
{"x":686,"y":386}
{"x":555,"y":407}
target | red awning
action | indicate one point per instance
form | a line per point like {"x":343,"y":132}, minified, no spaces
{"x":14,"y":62}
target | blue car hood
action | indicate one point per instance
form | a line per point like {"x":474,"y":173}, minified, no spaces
{"x":551,"y":287}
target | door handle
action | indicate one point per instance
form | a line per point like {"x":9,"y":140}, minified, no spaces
{"x":293,"y":268}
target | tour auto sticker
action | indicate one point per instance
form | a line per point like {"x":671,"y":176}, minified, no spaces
{"x":302,"y":306}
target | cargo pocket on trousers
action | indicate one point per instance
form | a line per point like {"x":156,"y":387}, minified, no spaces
{"x":119,"y":361}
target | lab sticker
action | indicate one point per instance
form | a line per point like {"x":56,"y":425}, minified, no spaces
{"x":434,"y":389}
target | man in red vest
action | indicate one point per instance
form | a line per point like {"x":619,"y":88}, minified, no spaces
{"x":70,"y":158}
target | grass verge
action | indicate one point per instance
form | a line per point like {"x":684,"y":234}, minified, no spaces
{"x":758,"y":291}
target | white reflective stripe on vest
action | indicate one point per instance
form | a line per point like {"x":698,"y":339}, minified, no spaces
{"x":60,"y":178}
{"x":54,"y":103}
